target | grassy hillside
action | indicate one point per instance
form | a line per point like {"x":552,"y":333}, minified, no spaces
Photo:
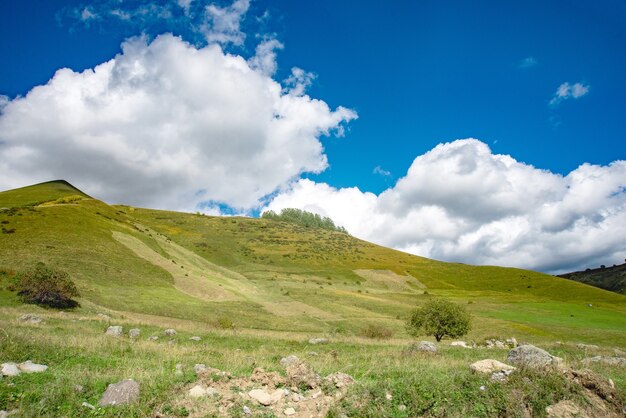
{"x":608,"y":278}
{"x":256,"y":290}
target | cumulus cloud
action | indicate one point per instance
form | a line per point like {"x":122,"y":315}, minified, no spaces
{"x":298,"y":82}
{"x":569,"y":91}
{"x":166,"y":124}
{"x":264,"y":59}
{"x":460,"y":202}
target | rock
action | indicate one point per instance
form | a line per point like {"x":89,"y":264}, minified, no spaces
{"x":488,"y":366}
{"x":246,"y":410}
{"x":199,"y":368}
{"x":339,"y":380}
{"x":618,"y":352}
{"x":179,"y":370}
{"x":289,"y":412}
{"x":120,"y":393}
{"x":531,"y":356}
{"x":114,"y":331}
{"x":426,"y":346}
{"x":289,"y":360}
{"x":501,"y":375}
{"x":401,"y":408}
{"x":265,"y":398}
{"x":30,"y":367}
{"x":565,"y":409}
{"x":79,"y":388}
{"x":88,"y":405}
{"x":134,"y":333}
{"x":104,"y":317}
{"x":318,"y":341}
{"x":587,"y":346}
{"x":195,"y":338}
{"x":511,"y":342}
{"x":388,"y":396}
{"x":169,"y":332}
{"x":611,"y":361}
{"x":459,"y":344}
{"x":31,"y":319}
{"x":211,"y":392}
{"x":197,"y":391}
{"x":301,"y":374}
{"x":153,"y":338}
{"x":10,"y":369}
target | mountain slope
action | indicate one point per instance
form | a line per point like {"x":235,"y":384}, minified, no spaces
{"x":264,"y":274}
{"x":608,"y":278}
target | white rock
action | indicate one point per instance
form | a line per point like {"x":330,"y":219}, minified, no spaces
{"x":318,"y":341}
{"x":153,"y":338}
{"x":195,"y":338}
{"x":114,"y":331}
{"x":265,"y":398}
{"x":134,"y":333}
{"x":10,"y":369}
{"x":30,"y":367}
{"x":197,"y":392}
{"x":88,"y":405}
{"x":289,"y":412}
{"x":388,"y":396}
{"x":198,"y":368}
{"x":169,"y":332}
{"x":31,"y":318}
{"x":246,"y":410}
{"x":459,"y":344}
{"x":490,"y":366}
{"x":289,"y":360}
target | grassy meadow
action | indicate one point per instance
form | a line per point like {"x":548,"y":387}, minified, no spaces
{"x":256,"y":290}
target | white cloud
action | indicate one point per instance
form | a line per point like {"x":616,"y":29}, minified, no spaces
{"x":298,"y":82}
{"x":264,"y":59}
{"x":569,"y":91}
{"x":223,"y":24}
{"x":165,"y":124}
{"x":381,"y":171}
{"x":528,"y":62}
{"x":460,"y":202}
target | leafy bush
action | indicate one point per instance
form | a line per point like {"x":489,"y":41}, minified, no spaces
{"x":224,"y":322}
{"x":304,"y":218}
{"x":439,"y":318}
{"x":376,"y":331}
{"x":42,"y":285}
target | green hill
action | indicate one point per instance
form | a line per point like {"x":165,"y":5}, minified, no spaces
{"x":266,"y":274}
{"x":608,"y":278}
{"x":255,"y":290}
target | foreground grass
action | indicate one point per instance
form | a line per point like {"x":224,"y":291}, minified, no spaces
{"x":77,"y":352}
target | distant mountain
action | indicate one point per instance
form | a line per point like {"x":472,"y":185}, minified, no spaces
{"x":608,"y":278}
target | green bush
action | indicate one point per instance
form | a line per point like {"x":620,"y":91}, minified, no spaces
{"x":439,"y":318}
{"x":376,"y":331}
{"x":42,"y":285}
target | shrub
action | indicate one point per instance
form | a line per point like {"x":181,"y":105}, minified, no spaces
{"x":439,"y":318}
{"x":44,"y":286}
{"x":224,"y":322}
{"x":376,"y":331}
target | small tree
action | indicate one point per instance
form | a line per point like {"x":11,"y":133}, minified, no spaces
{"x":439,"y":318}
{"x":44,"y":286}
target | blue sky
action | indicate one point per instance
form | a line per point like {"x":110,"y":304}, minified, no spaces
{"x":417,"y":74}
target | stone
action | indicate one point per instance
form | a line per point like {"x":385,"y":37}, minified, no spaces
{"x":426,"y":346}
{"x":88,"y":405}
{"x":488,"y":366}
{"x":289,"y":360}
{"x":197,"y":391}
{"x":134,"y":333}
{"x":289,"y":412}
{"x":531,"y":356}
{"x":611,"y":361}
{"x":10,"y":369}
{"x":501,"y":375}
{"x":587,"y":346}
{"x":195,"y":338}
{"x":246,"y":410}
{"x":31,"y":319}
{"x":339,"y":380}
{"x":120,"y":393}
{"x":114,"y":331}
{"x":79,"y":388}
{"x":211,"y":391}
{"x":565,"y":409}
{"x":301,"y":374}
{"x":318,"y":341}
{"x":170,"y":332}
{"x":401,"y":408}
{"x":104,"y":317}
{"x":511,"y":342}
{"x":30,"y":367}
{"x":199,"y":368}
{"x":153,"y":338}
{"x":459,"y":344}
{"x":265,"y":398}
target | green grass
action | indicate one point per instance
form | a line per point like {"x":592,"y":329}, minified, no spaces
{"x":282,"y":284}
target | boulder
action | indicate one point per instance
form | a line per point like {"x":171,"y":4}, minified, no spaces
{"x":265,"y":398}
{"x":31,"y":319}
{"x":531,"y":356}
{"x":489,"y":366}
{"x":30,"y":367}
{"x":10,"y":369}
{"x":114,"y":331}
{"x":120,"y":393}
{"x":170,"y":332}
{"x":426,"y":346}
{"x":318,"y":341}
{"x":134,"y":333}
